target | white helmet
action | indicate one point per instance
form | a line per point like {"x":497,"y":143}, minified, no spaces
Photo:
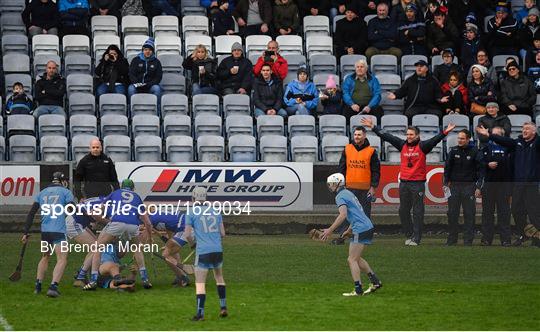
{"x":337,"y":179}
{"x":199,"y":194}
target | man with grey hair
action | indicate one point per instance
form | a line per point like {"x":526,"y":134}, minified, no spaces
{"x":49,"y":92}
{"x":382,"y":34}
{"x":96,"y":173}
{"x":526,"y":173}
{"x":362,"y":92}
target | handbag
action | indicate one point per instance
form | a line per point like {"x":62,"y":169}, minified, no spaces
{"x":478,"y":109}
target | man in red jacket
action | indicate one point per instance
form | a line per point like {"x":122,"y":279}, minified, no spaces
{"x":412,"y":175}
{"x":280,"y":68}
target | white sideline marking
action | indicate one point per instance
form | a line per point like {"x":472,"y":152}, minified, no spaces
{"x":5,"y":324}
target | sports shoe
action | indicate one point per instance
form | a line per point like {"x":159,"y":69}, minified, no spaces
{"x":373,"y":288}
{"x":37,"y":289}
{"x":53,"y":292}
{"x":197,"y":318}
{"x":147,"y":284}
{"x":223,"y":313}
{"x":353,"y":293}
{"x":91,"y":286}
{"x":506,"y":244}
{"x":410,"y":243}
{"x":519,"y":241}
{"x":485,"y":243}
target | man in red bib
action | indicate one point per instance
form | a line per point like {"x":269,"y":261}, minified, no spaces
{"x":412,"y":175}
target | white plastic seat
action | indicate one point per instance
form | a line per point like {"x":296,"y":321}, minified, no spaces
{"x":40,"y":63}
{"x":407,"y":64}
{"x":322,"y":63}
{"x":10,"y":79}
{"x":176,"y":125}
{"x":168,"y":45}
{"x":332,"y":147}
{"x":16,"y":63}
{"x":117,"y":147}
{"x":114,"y":124}
{"x":301,"y":125}
{"x":143,"y":103}
{"x":290,"y":44}
{"x":211,"y":148}
{"x":347,"y":63}
{"x":356,"y":121}
{"x":332,"y":124}
{"x":82,"y":103}
{"x":51,"y":125}
{"x":135,"y":25}
{"x":304,"y":149}
{"x":395,"y":124}
{"x":82,"y":124}
{"x":75,"y":44}
{"x":104,"y":25}
{"x":22,"y":148}
{"x":112,"y":103}
{"x":191,"y":42}
{"x":242,"y":148}
{"x":79,"y":146}
{"x":194,"y":24}
{"x":172,"y":63}
{"x":12,"y":24}
{"x":45,"y":44}
{"x":273,"y":148}
{"x":78,"y":64}
{"x":54,"y":149}
{"x":256,"y":44}
{"x":517,"y":121}
{"x":175,"y":104}
{"x":384,"y":63}
{"x":205,"y":104}
{"x":239,"y":125}
{"x":389,"y":82}
{"x":427,"y":123}
{"x":133,"y":45}
{"x":236,"y":104}
{"x":101,"y":42}
{"x":224,"y":43}
{"x":270,"y":125}
{"x":17,"y":43}
{"x":499,"y":61}
{"x":145,"y":125}
{"x":173,"y":83}
{"x":319,"y":45}
{"x":20,"y":124}
{"x":147,"y":148}
{"x":165,"y":25}
{"x":82,"y":83}
{"x":295,"y":61}
{"x":316,"y":26}
{"x":207,"y":124}
{"x":179,"y":149}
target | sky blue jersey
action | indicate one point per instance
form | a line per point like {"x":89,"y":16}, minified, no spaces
{"x":207,"y":229}
{"x":120,"y":198}
{"x":173,"y":222}
{"x":53,"y":195}
{"x":355,"y":214}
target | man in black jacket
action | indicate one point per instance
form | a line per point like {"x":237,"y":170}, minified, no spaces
{"x":351,"y":33}
{"x":496,"y":191}
{"x":382,"y":34}
{"x":49,"y":92}
{"x":96,"y":172}
{"x":145,"y":72}
{"x":268,"y":93}
{"x":526,"y":172}
{"x":421,"y":91}
{"x":235,"y":72}
{"x":41,"y":17}
{"x":464,"y":175}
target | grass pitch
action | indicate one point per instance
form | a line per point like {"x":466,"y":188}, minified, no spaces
{"x":293,"y":283}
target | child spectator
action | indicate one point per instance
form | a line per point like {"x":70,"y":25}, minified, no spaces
{"x":331,"y":97}
{"x":301,"y":96}
{"x":442,"y":71}
{"x":19,"y":102}
{"x":457,"y":93}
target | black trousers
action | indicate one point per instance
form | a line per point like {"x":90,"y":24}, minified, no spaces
{"x":462,"y":195}
{"x":366,"y":206}
{"x":526,"y":202}
{"x":496,"y":195}
{"x":411,"y":196}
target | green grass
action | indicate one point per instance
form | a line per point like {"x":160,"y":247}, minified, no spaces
{"x":293,"y":283}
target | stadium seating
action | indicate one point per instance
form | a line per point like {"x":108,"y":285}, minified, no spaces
{"x":117,"y":147}
{"x":165,"y":26}
{"x":242,"y":148}
{"x":304,"y":149}
{"x":270,"y":125}
{"x":207,"y":125}
{"x":104,"y":25}
{"x":256,"y":44}
{"x":147,"y":148}
{"x":332,"y":124}
{"x":356,"y":121}
{"x":316,"y":26}
{"x":273,"y":148}
{"x":173,"y":83}
{"x":135,"y":25}
{"x":51,"y":125}
{"x":77,"y":64}
{"x":143,"y":103}
{"x":112,"y":104}
{"x":82,"y":103}
{"x":82,"y":124}
{"x":319,"y":45}
{"x":176,"y":125}
{"x":54,"y":148}
{"x":75,"y":44}
{"x":173,"y":103}
{"x":19,"y":63}
{"x":211,"y":148}
{"x":79,"y":146}
{"x":427,"y":123}
{"x":22,"y":148}
{"x":301,"y":125}
{"x":347,"y":63}
{"x":236,"y":104}
{"x":171,"y":63}
{"x":179,"y":148}
{"x":322,"y":64}
{"x":407,"y":64}
{"x":145,"y":125}
{"x":15,"y":43}
{"x":133,"y":45}
{"x":289,"y":44}
{"x":114,"y":124}
{"x":332,"y":147}
{"x":224,"y":43}
{"x":194,"y":25}
{"x":517,"y":121}
{"x":395,"y":124}
{"x":384,"y":63}
{"x":238,"y":125}
{"x":20,"y":125}
{"x":205,"y":104}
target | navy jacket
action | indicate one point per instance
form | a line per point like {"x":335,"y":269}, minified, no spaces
{"x":382,"y":33}
{"x":526,"y":157}
{"x":142,"y":70}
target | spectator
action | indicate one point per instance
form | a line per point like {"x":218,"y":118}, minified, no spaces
{"x":382,"y":34}
{"x":464,"y":176}
{"x":166,"y":7}
{"x":496,"y":191}
{"x":399,"y":9}
{"x":203,"y":71}
{"x":532,"y":51}
{"x":223,"y":20}
{"x":441,"y":33}
{"x":482,"y":59}
{"x":492,"y":119}
{"x":502,"y":32}
{"x":212,"y":6}
{"x":518,"y":95}
{"x":412,"y":32}
{"x":521,"y":14}
{"x":470,"y":47}
{"x":367,"y":7}
{"x":301,"y":95}
{"x":50,"y":91}
{"x":314,"y":7}
{"x":74,"y":17}
{"x":458,"y":101}
{"x":331,"y":97}
{"x":105,"y":7}
{"x":280,"y":67}
{"x":421,"y":91}
{"x":360,"y":165}
{"x":412,"y":175}
{"x":526,"y":174}
{"x":442,"y":71}
{"x":534,"y":73}
{"x":235,"y":72}
{"x":286,"y":20}
{"x":481,"y":90}
{"x":432,"y":7}
{"x":132,"y":7}
{"x":254,"y":17}
{"x":362,"y":92}
{"x":145,"y":72}
{"x":529,"y":31}
{"x":351,"y":33}
{"x":19,"y":102}
{"x":95,"y":174}
{"x":112,"y":72}
{"x":268,"y":93}
{"x":41,"y":17}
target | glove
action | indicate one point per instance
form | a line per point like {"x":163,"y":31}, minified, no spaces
{"x":532,"y":232}
{"x":315,"y":234}
{"x":139,"y":85}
